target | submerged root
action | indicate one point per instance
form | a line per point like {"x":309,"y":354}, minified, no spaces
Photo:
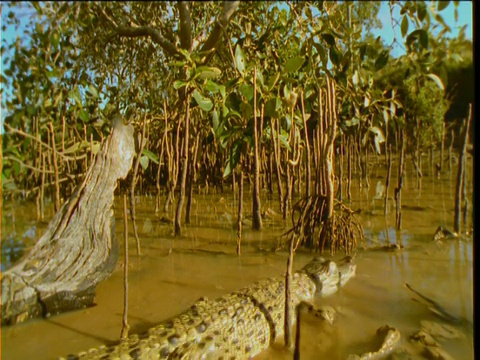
{"x":313,"y":229}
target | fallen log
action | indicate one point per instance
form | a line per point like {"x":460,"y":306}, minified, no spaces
{"x":78,"y":249}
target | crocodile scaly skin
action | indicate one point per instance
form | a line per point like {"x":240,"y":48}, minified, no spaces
{"x":236,"y":326}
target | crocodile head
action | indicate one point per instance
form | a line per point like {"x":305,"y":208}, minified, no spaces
{"x":329,"y":276}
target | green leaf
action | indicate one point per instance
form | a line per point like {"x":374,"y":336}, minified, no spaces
{"x":179,"y":84}
{"x":421,"y":11}
{"x":404,"y":26}
{"x":74,"y":95}
{"x":93,"y":90}
{"x":84,"y":116}
{"x":260,"y":77}
{"x":335,"y":56}
{"x":177,"y":63}
{"x":207,"y":72}
{"x":11,"y":150}
{"x":421,"y":35}
{"x":82,"y":145}
{"x":382,"y":60}
{"x":16,"y":167}
{"x":424,"y":38}
{"x":246,"y":110}
{"x":272,"y":106}
{"x":240,"y":60}
{"x":55,"y":39}
{"x":47,"y":103}
{"x":232,"y":82}
{"x":272,"y":81}
{"x":284,"y":140}
{"x":215,"y":120}
{"x":204,"y":103}
{"x":442,"y":5}
{"x":437,"y":80}
{"x":144,"y":162}
{"x":150,"y":155}
{"x":329,"y":39}
{"x":233,"y":157}
{"x":354,"y":121}
{"x":31,"y":109}
{"x":321,"y":51}
{"x":294,"y":64}
{"x":213,"y":87}
{"x":185,"y":54}
{"x":247,"y":91}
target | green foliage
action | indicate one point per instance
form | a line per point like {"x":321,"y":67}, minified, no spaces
{"x":424,"y":102}
{"x":79,"y":63}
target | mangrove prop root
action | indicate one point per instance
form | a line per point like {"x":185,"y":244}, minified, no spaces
{"x":314,"y":229}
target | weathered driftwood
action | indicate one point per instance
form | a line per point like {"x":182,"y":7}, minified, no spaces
{"x":78,"y":249}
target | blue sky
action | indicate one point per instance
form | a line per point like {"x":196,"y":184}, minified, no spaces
{"x":465,"y":17}
{"x":387,"y":33}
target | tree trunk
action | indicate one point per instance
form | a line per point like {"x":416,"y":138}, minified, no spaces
{"x":78,"y":249}
{"x":133,"y":183}
{"x":387,"y":180}
{"x":183,"y":178}
{"x":277,"y":153}
{"x":55,"y":168}
{"x":460,"y":173}
{"x":330,"y":119}
{"x":125,"y":326}
{"x":308,"y":166}
{"x":256,"y":204}
{"x":287,"y":333}
{"x":160,"y":159}
{"x":191,"y":175}
{"x":398,"y":189}
{"x":240,"y":212}
{"x":349,"y":168}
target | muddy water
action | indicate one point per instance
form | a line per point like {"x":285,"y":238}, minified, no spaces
{"x":174,"y":273}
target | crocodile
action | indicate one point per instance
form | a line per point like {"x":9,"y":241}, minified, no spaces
{"x":236,"y":326}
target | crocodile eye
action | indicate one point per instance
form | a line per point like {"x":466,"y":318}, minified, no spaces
{"x":173,"y":339}
{"x":201,"y":327}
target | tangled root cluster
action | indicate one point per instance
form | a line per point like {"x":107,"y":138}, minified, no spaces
{"x":312,"y":227}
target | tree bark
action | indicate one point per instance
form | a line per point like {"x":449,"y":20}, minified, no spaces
{"x":240,"y":211}
{"x":401,"y":176}
{"x":307,"y":148}
{"x":331,"y":130}
{"x":460,"y":173}
{"x":133,"y":183}
{"x":256,"y":204}
{"x":191,"y":176}
{"x":125,"y":326}
{"x":287,"y":333}
{"x":78,"y":249}
{"x":183,"y":174}
{"x":276,"y":152}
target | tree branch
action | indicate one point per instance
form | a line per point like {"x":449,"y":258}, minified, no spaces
{"x":141,"y":31}
{"x":229,"y":7}
{"x":148,"y":31}
{"x":185,"y":26}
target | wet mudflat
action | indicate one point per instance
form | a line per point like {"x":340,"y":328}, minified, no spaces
{"x":173,"y":273}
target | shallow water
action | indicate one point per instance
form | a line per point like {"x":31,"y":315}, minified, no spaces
{"x":174,"y":273}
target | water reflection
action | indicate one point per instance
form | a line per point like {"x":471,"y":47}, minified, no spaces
{"x":174,"y":272}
